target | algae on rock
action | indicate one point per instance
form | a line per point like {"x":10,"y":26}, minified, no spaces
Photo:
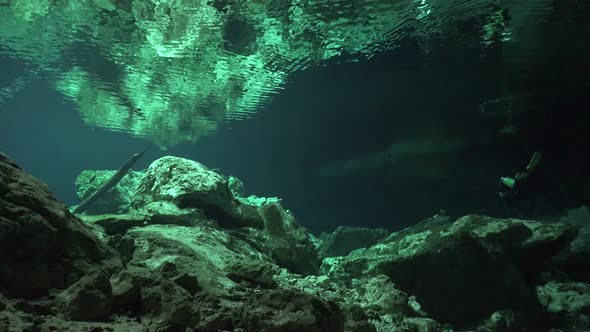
{"x":167,"y":266}
{"x":116,"y":200}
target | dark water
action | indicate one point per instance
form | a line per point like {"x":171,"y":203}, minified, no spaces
{"x":425,"y":112}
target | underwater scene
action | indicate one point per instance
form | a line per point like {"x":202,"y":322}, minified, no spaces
{"x":294,"y":165}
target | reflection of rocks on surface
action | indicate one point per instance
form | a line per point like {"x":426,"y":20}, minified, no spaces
{"x":174,"y":71}
{"x":189,"y":254}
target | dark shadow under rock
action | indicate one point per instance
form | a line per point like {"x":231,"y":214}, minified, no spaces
{"x":216,"y":314}
{"x":451,"y":275}
{"x":574,"y":259}
{"x":125,"y":291}
{"x":169,"y":305}
{"x":464,"y":271}
{"x":89,"y":299}
{"x":156,"y":213}
{"x":190,"y":283}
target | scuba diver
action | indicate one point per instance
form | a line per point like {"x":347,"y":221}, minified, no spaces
{"x":514,"y":190}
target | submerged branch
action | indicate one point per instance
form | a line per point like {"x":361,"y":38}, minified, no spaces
{"x":109,"y":184}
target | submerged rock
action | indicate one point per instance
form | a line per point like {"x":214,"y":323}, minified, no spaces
{"x":189,"y":184}
{"x":42,"y":245}
{"x":116,"y":200}
{"x":288,"y":242}
{"x":177,"y":191}
{"x":346,"y":239}
{"x":125,"y":290}
{"x":90,"y":298}
{"x":567,"y":303}
{"x":575,"y":256}
{"x":476,"y":259}
{"x":188,"y":266}
{"x":236,"y":186}
{"x":288,"y":310}
{"x":205,"y":253}
{"x":156,"y":213}
{"x":255,"y":274}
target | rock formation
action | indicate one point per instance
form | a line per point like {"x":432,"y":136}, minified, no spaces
{"x":189,"y":256}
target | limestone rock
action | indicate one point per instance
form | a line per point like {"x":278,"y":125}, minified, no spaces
{"x":156,"y":213}
{"x":42,"y":245}
{"x":116,"y":223}
{"x":90,"y":298}
{"x":288,"y":310}
{"x":577,"y":216}
{"x":254,"y":273}
{"x":216,"y":314}
{"x":575,"y":257}
{"x":416,"y":324}
{"x":380,"y":295}
{"x":168,"y":305}
{"x":503,"y":320}
{"x":125,"y":290}
{"x":476,"y":259}
{"x":185,"y":271}
{"x":567,"y":304}
{"x":203,"y":252}
{"x":189,"y":184}
{"x":346,"y":239}
{"x":356,"y":319}
{"x":288,"y":242}
{"x":236,"y":186}
{"x":190,"y":283}
{"x":116,"y":200}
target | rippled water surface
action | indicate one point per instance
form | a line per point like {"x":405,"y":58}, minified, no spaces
{"x":174,"y":70}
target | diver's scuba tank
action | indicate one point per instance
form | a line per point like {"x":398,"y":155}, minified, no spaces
{"x":508,"y":182}
{"x":509,"y":186}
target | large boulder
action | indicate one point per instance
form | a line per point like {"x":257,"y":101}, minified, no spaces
{"x":42,"y":245}
{"x":283,"y":239}
{"x":90,"y":298}
{"x":168,"y":306}
{"x":125,"y":291}
{"x":449,"y":267}
{"x":207,"y":253}
{"x":288,"y":243}
{"x":189,"y":184}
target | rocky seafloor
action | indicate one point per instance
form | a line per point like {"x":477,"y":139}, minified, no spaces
{"x":179,"y":247}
